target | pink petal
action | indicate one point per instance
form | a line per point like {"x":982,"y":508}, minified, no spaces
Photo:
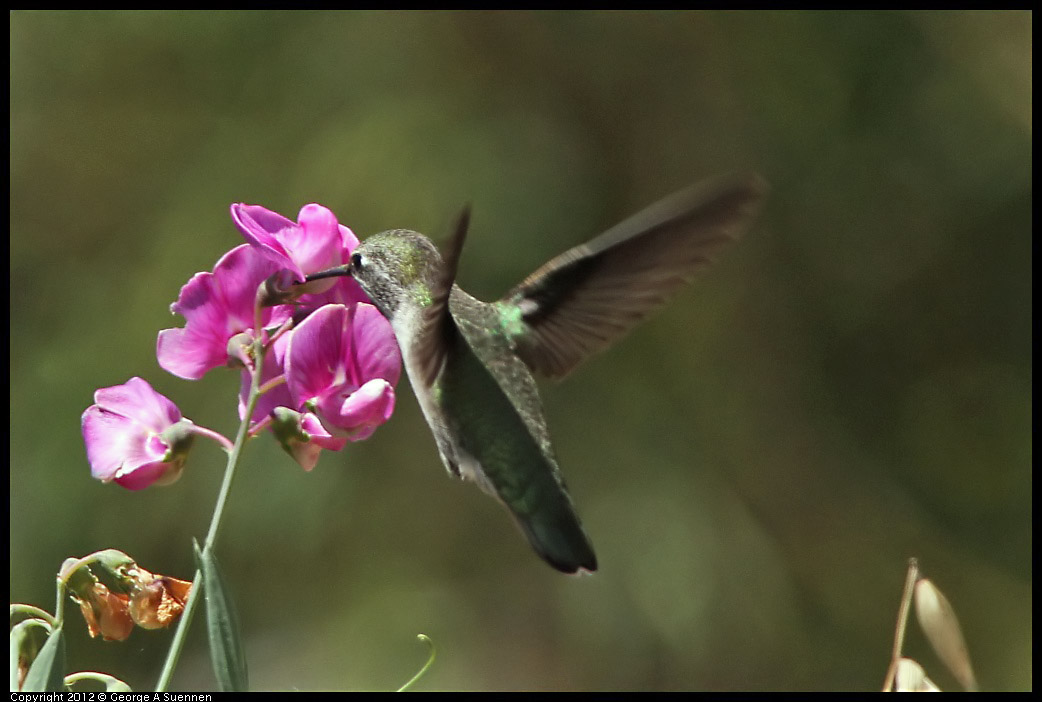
{"x":187,"y":353}
{"x":216,"y":306}
{"x":317,"y":243}
{"x":314,"y":357}
{"x":107,"y":438}
{"x":348,"y":241}
{"x":259,"y":225}
{"x":137,"y":400}
{"x":362,"y":411}
{"x":143,"y":476}
{"x":267,"y":230}
{"x":374,"y":347}
{"x":237,"y":276}
{"x":311,"y":424}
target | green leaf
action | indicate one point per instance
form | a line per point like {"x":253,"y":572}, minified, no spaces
{"x":222,"y":627}
{"x":21,"y":612}
{"x":27,"y":638}
{"x":47,"y":673}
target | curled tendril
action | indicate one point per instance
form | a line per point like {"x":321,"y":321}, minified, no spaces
{"x":426,"y":666}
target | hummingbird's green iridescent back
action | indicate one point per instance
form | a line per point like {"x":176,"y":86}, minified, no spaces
{"x":491,"y":404}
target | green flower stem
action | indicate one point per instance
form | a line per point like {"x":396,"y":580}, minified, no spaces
{"x":32,"y":612}
{"x":216,"y":436}
{"x":286,"y":326}
{"x":62,"y":582}
{"x":222,"y":498}
{"x":260,"y":426}
{"x":59,"y":605}
{"x":111,"y":684}
{"x":73,"y":566}
{"x":272,"y":384}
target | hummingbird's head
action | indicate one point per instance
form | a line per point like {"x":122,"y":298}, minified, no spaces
{"x":396,"y":268}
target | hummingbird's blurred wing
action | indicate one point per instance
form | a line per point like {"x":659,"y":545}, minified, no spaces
{"x":588,"y":297}
{"x":437,"y":331}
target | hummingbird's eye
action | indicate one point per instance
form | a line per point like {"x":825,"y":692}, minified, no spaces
{"x":357,"y":260}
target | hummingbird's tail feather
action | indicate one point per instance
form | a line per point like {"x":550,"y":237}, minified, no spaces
{"x":559,"y":539}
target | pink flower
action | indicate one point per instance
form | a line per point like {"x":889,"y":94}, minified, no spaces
{"x":216,"y":306}
{"x":342,"y":364}
{"x":314,"y":243}
{"x":337,"y":353}
{"x":135,"y":436}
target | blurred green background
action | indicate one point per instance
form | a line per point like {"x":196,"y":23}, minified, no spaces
{"x":851,"y":386}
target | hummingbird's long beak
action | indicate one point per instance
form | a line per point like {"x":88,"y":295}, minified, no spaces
{"x":329,"y":273}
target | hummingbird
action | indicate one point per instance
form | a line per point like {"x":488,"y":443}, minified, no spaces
{"x":471,"y":363}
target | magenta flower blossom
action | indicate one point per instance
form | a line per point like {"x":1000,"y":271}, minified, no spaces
{"x":216,"y":306}
{"x":342,"y":364}
{"x":135,"y":436}
{"x":336,"y":353}
{"x":346,"y":357}
{"x":314,"y":243}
